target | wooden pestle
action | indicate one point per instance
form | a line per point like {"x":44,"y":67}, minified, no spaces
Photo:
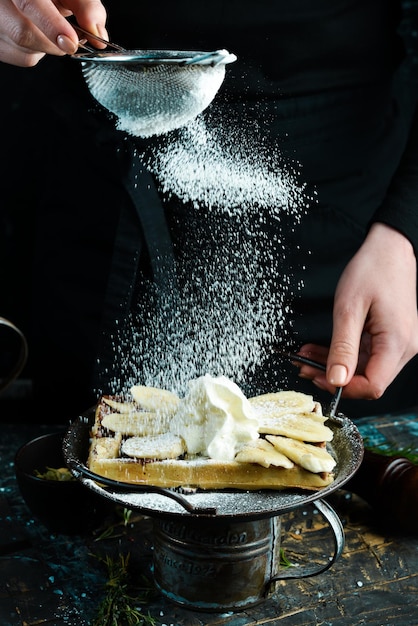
{"x":390,"y":485}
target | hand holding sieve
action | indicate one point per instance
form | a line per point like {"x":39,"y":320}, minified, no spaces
{"x":152,"y":92}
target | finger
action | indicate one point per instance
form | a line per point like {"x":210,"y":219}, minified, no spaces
{"x":359,"y":387}
{"x":315,"y":365}
{"x":20,"y":58}
{"x":43,"y":28}
{"x":385,"y":359}
{"x":313,"y":354}
{"x":379,"y":369}
{"x":21,"y":43}
{"x":362,"y":385}
{"x":47,"y":28}
{"x":348,"y":324}
{"x":90,"y":15}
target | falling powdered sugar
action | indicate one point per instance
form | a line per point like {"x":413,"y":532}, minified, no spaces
{"x":231,"y":202}
{"x":214,"y":168}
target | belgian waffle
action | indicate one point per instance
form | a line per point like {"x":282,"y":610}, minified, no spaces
{"x":131,"y":441}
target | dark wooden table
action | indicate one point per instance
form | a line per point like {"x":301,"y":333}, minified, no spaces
{"x":61,"y":580}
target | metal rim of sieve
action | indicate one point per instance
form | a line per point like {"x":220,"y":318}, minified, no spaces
{"x":158,"y":57}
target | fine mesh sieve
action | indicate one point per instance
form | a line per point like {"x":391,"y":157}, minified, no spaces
{"x":152,"y":92}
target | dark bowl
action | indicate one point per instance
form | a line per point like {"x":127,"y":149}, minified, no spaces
{"x":63,"y":506}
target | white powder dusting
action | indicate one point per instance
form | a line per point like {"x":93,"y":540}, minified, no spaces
{"x":223,"y":503}
{"x":232,"y":200}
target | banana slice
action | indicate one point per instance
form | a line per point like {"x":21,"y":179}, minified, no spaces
{"x":275,"y":404}
{"x":313,"y":458}
{"x":263,"y":453}
{"x":165,"y":446}
{"x":302,"y":426}
{"x":155,"y":399}
{"x":138,"y":423}
{"x":120,"y":407}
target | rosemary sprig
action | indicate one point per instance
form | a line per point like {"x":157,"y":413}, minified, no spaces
{"x":113,"y":530}
{"x":119,"y":606}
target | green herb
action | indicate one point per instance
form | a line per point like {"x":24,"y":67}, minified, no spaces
{"x":410,"y":452}
{"x":284,"y":561}
{"x":114,"y":530}
{"x":52,"y":473}
{"x":127,"y":514}
{"x":119,"y":606}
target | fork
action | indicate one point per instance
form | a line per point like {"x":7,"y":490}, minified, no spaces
{"x":336,"y":397}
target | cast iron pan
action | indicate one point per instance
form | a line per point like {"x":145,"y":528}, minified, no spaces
{"x":346,"y":447}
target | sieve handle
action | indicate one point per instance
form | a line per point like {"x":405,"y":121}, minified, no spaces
{"x":115,"y":46}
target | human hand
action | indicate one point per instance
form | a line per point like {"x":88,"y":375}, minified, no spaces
{"x":375,"y":319}
{"x":30,"y":30}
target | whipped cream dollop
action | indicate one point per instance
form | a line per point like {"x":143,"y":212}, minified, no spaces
{"x":215,"y":418}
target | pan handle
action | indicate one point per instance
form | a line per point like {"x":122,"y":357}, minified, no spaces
{"x":107,"y":485}
{"x":73,"y":439}
{"x":334,"y":521}
{"x":21,"y":359}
